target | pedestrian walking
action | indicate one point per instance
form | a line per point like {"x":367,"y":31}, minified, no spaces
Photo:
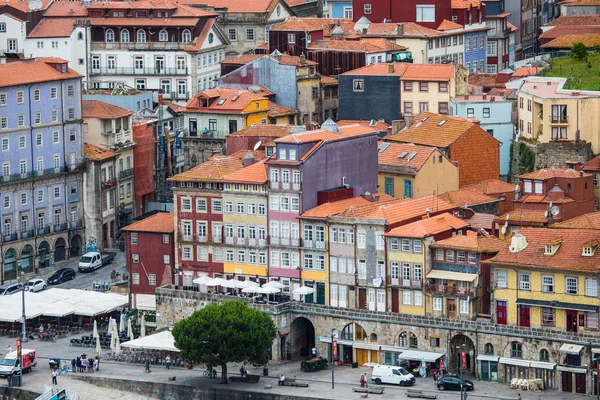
{"x":244,"y":369}
{"x":363,"y":381}
{"x":314,"y":352}
{"x":9,"y":349}
{"x":366,"y":381}
{"x":281,"y":380}
{"x":55,"y":377}
{"x":147,"y":365}
{"x":168,"y":362}
{"x":519,"y":397}
{"x":96,"y":363}
{"x":73,"y":365}
{"x":78,"y":364}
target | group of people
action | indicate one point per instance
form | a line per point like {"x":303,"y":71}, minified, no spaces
{"x":84,"y":364}
{"x":244,"y":369}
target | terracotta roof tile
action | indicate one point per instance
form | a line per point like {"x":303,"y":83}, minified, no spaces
{"x":585,"y":221}
{"x":567,"y":41}
{"x":275,"y":110}
{"x":486,"y":80}
{"x":322,"y":135}
{"x":563,"y":30}
{"x":581,"y":2}
{"x":100,"y":109}
{"x":213,"y":170}
{"x":448,"y":26}
{"x":396,"y":211}
{"x":253,"y":174}
{"x":324,"y":210}
{"x":472,"y":241}
{"x":547,"y":173}
{"x":23,"y":5}
{"x":491,"y":186}
{"x":429,"y":226}
{"x":412,"y":72}
{"x":409,"y":29}
{"x":426,"y":130}
{"x":380,"y":126}
{"x":367,"y":45}
{"x":235,"y":6}
{"x":285,"y":59}
{"x":53,"y":27}
{"x":592,"y":165}
{"x":161,"y":222}
{"x":522,"y":72}
{"x":329,"y":80}
{"x":146,"y":22}
{"x":465,"y":197}
{"x":33,"y":71}
{"x":568,"y":257}
{"x":390,"y":155}
{"x":481,"y":221}
{"x":465,"y":4}
{"x":233,"y":100}
{"x":313,"y":24}
{"x":96,"y":153}
{"x":257,"y":154}
{"x":197,"y":46}
{"x":571,"y":20}
{"x":66,"y":9}
{"x":265,"y":130}
{"x":525,"y":216}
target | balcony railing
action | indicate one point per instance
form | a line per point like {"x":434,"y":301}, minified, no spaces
{"x":217,"y":239}
{"x":139,"y":71}
{"x":60,"y":227}
{"x":29,"y":233}
{"x":43,"y":230}
{"x":126,"y":173}
{"x":229,"y":240}
{"x":555,"y":119}
{"x":202,"y":239}
{"x":108,"y":184}
{"x":187,"y":238}
{"x":77,"y":224}
{"x":139,"y":46}
{"x":436,"y":288}
{"x":10,"y":237}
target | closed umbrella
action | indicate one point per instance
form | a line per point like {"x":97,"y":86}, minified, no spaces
{"x":122,"y":323}
{"x":118,"y":346}
{"x":274,"y":284}
{"x":129,"y":329}
{"x":113,"y":339}
{"x":143,"y":327}
{"x":98,"y":346}
{"x":109,"y":327}
{"x":95,"y":332}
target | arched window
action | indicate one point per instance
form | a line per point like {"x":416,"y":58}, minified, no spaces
{"x":110,"y":36}
{"x":373,"y":337}
{"x":408,"y":339}
{"x":141,"y":36}
{"x":80,"y":36}
{"x":124,"y":36}
{"x":489,"y":349}
{"x":544,"y":355}
{"x":348,"y":332}
{"x":516,"y":350}
{"x":186,"y":36}
{"x":163,"y":36}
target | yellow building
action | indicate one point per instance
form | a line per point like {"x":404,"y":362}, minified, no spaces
{"x":547,"y":112}
{"x":409,"y":170}
{"x":408,"y":259}
{"x":245,"y":221}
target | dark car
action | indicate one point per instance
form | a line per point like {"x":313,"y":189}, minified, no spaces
{"x":452,"y":382}
{"x":62,"y":275}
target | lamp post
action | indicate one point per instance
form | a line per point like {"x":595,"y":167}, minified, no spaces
{"x":332,"y":362}
{"x":460,"y":353}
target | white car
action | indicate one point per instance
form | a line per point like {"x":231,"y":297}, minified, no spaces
{"x":35,"y":285}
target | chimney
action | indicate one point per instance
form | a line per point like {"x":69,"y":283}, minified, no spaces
{"x":549,"y":83}
{"x":484,"y":95}
{"x":160,"y":96}
{"x":400,"y":30}
{"x":376,"y":197}
{"x":248,"y":159}
{"x":493,"y":98}
{"x":466,"y":97}
{"x":390,"y":68}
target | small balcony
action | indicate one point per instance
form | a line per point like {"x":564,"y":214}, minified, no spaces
{"x":108,"y":184}
{"x":295,"y":186}
{"x":262,"y":242}
{"x":228,"y":240}
{"x":44,"y":230}
{"x":217,"y":238}
{"x":436,"y":288}
{"x":10,"y":237}
{"x":241,"y":241}
{"x":76,"y":224}
{"x":60,"y":227}
{"x":187,"y":238}
{"x":126,"y":173}
{"x":29,"y":233}
{"x":202,"y":239}
{"x":139,"y":71}
{"x":559,"y":119}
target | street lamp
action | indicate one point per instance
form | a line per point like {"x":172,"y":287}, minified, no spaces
{"x":332,"y":361}
{"x":460,"y":353}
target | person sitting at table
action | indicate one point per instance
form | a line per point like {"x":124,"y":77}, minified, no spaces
{"x":281,"y":380}
{"x":41,"y":328}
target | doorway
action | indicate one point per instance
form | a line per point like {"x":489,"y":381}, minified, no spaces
{"x":566,"y":381}
{"x":160,"y":64}
{"x":362,"y":299}
{"x":451,"y":306}
{"x":302,"y":338}
{"x":501,"y":312}
{"x":395,"y":301}
{"x":524,"y":316}
{"x":571,"y":321}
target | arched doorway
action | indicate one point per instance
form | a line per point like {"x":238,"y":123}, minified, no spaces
{"x":302,"y":338}
{"x":76,"y":246}
{"x":26,"y":259}
{"x":9,"y":265}
{"x":60,"y":250}
{"x":44,"y":254}
{"x":458,"y":344}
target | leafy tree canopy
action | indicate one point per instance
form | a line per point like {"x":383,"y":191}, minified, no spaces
{"x":579,"y":51}
{"x":228,"y":332}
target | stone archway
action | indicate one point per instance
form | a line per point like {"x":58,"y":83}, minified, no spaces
{"x":60,"y":250}
{"x":27,"y":259}
{"x":302,"y":337}
{"x":44,"y":254}
{"x":462,"y":343}
{"x":76,"y":246}
{"x":9,"y":265}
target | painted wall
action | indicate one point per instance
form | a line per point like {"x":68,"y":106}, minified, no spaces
{"x":380,"y":98}
{"x":337,"y":8}
{"x":152,"y":254}
{"x":412,"y":285}
{"x":476,"y":55}
{"x":132,"y":102}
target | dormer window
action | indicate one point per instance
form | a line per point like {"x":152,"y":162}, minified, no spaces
{"x":552,"y":247}
{"x":548,"y":249}
{"x":589,"y":248}
{"x":538,"y":187}
{"x":587,"y":251}
{"x":527,"y":186}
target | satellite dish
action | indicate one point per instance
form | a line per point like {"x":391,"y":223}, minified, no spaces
{"x":503,"y":230}
{"x":35,"y":5}
{"x":257,"y":145}
{"x":554,"y":211}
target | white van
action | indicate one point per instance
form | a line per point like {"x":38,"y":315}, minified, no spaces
{"x":394,"y":375}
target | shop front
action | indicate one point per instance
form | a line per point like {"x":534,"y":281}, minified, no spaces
{"x":488,"y":367}
{"x":366,"y":352}
{"x":344,"y":349}
{"x":545,"y":372}
{"x":573,"y":376}
{"x":514,"y":368}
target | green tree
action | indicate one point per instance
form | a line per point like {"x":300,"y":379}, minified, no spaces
{"x":228,"y":332}
{"x":579,"y":51}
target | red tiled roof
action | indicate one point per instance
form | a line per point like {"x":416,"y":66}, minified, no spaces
{"x":236,"y":6}
{"x":592,"y":165}
{"x":465,"y":4}
{"x":329,"y":80}
{"x":585,"y":221}
{"x":66,"y":9}
{"x":381,"y":126}
{"x":264,"y":130}
{"x":491,"y":186}
{"x":448,"y":25}
{"x":161,"y":222}
{"x":409,"y":29}
{"x":23,"y":5}
{"x":324,"y":210}
{"x":197,"y":46}
{"x":525,"y":216}
{"x":563,"y":30}
{"x":312,"y":24}
{"x":33,"y":71}
{"x":571,"y":20}
{"x":96,"y":153}
{"x":275,"y":110}
{"x":252,"y":174}
{"x":522,"y":72}
{"x":213,"y":170}
{"x":367,"y":45}
{"x":257,"y":154}
{"x":410,"y":72}
{"x":429,"y":226}
{"x":143,"y":22}
{"x":568,"y":257}
{"x":487,"y":80}
{"x":547,"y":173}
{"x":567,"y":41}
{"x":472,"y":241}
{"x":580,"y":2}
{"x":100,"y":109}
{"x":390,"y":156}
{"x":53,"y":27}
{"x":465,"y":197}
{"x":322,"y":135}
{"x":481,"y":221}
{"x":234,"y":100}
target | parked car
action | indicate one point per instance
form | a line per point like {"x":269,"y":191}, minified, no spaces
{"x":452,"y":382}
{"x":35,"y":285}
{"x":11,"y":361}
{"x":10,"y":288}
{"x":93,"y":260}
{"x":394,"y":375}
{"x":62,"y":275}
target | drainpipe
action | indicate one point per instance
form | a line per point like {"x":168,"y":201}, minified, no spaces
{"x":31,"y":197}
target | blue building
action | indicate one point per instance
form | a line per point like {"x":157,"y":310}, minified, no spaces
{"x":475,"y":51}
{"x":495,"y":116}
{"x":337,"y":9}
{"x":41,"y":152}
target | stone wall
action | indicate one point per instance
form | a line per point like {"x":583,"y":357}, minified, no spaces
{"x":556,"y":154}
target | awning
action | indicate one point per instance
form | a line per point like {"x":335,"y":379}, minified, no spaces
{"x":327,"y":339}
{"x":595,"y":350}
{"x":420,"y":355}
{"x":515,"y":361}
{"x":452,"y":276}
{"x":483,"y":357}
{"x":557,"y":304}
{"x":572,"y":369}
{"x":542,"y":365}
{"x":366,"y":346}
{"x":568,"y":348}
{"x":159,"y":341}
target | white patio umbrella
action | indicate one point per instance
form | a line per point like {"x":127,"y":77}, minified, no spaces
{"x":118,"y":346}
{"x":113,"y":341}
{"x":203,"y":280}
{"x":95,"y":332}
{"x":304,"y":290}
{"x":129,"y":329}
{"x":109,"y":329}
{"x":216,"y":282}
{"x":245,"y":284}
{"x":274,"y":284}
{"x":122,"y":323}
{"x":267,"y":290}
{"x":232,"y":284}
{"x":143,"y":327}
{"x":251,"y":289}
{"x":98,"y":346}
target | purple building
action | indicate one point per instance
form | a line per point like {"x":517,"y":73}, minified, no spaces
{"x":40,"y":155}
{"x":307,"y":169}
